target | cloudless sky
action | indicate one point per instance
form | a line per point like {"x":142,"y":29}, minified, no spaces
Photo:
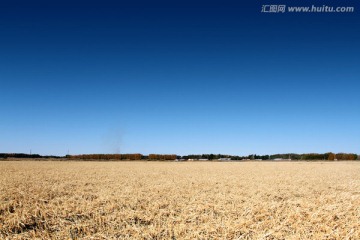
{"x":182,"y":77}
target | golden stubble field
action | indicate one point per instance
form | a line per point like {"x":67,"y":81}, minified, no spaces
{"x":170,"y":200}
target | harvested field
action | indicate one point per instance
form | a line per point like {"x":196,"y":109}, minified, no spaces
{"x":188,"y":200}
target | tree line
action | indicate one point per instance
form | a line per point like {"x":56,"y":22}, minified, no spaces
{"x":134,"y":156}
{"x":24,"y":155}
{"x":293,"y":156}
{"x":162,"y":156}
{"x":165,"y":157}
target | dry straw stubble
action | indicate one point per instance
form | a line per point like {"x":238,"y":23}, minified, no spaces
{"x":169,"y":200}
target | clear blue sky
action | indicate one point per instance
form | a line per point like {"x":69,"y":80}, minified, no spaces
{"x":181,"y":77}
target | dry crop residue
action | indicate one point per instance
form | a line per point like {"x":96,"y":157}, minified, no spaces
{"x":170,"y":200}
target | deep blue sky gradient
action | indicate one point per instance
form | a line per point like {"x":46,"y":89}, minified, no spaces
{"x":178,"y":77}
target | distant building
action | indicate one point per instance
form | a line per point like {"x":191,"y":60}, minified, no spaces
{"x":203,"y":159}
{"x":224,"y":159}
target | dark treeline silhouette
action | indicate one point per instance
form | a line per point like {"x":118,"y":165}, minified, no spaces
{"x":208,"y":156}
{"x":162,"y":156}
{"x":135,"y":156}
{"x":24,"y":155}
{"x":166,"y":157}
{"x":292,"y":156}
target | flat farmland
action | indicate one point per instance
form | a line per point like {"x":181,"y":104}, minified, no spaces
{"x":179,"y":200}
